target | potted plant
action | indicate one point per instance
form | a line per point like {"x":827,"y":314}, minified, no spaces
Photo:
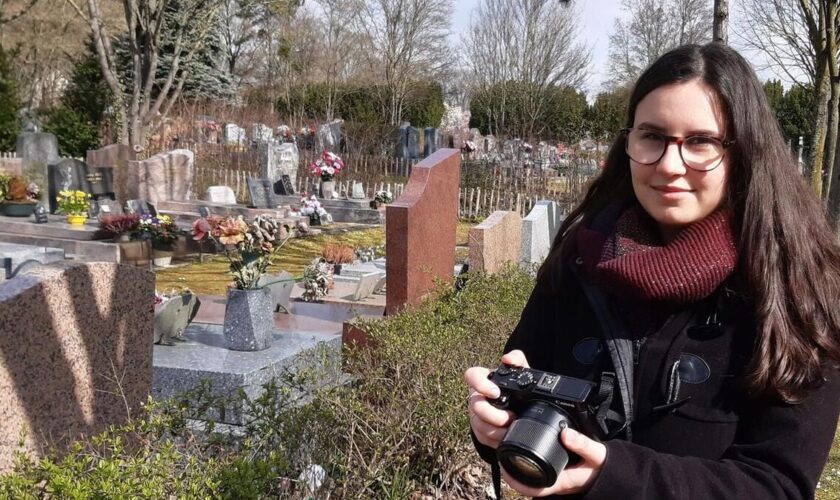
{"x":119,"y":226}
{"x":382,"y":197}
{"x":162,"y":233}
{"x":18,"y":197}
{"x":75,"y":205}
{"x":337,"y":255}
{"x":250,"y":248}
{"x":327,"y":167}
{"x":312,"y":208}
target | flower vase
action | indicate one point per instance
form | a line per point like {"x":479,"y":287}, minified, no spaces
{"x":76,"y":219}
{"x":161,"y":258}
{"x":327,"y":189}
{"x":12,"y":209}
{"x":374,"y":204}
{"x":249,"y":319}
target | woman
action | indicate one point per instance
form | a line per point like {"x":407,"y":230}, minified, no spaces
{"x":700,"y":270}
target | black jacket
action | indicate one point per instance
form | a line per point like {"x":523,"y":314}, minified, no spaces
{"x":694,"y":434}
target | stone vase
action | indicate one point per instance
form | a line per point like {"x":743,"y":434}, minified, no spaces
{"x":161,"y":258}
{"x":327,"y":188}
{"x":249,"y":319}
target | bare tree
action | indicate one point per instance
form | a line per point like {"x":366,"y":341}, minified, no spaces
{"x":145,"y":104}
{"x":532,"y":43}
{"x":720,"y":31}
{"x":406,"y":40}
{"x":800,"y":39}
{"x":653,"y":28}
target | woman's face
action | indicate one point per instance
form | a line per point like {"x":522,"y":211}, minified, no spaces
{"x":671,"y":192}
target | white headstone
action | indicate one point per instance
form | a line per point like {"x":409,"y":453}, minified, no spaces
{"x":367,"y":285}
{"x":277,"y":160}
{"x":261,"y":133}
{"x":554,"y":219}
{"x":536,"y":236}
{"x":358,"y":191}
{"x":234,"y":134}
{"x":220,"y":194}
{"x":281,"y":285}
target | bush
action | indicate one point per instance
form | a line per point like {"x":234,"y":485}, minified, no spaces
{"x":9,"y":105}
{"x":75,"y":135}
{"x":400,"y":430}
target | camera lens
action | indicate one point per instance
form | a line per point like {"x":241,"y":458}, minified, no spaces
{"x":531,"y":451}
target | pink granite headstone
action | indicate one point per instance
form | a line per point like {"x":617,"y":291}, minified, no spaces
{"x":495,"y":242}
{"x":115,"y":156}
{"x":420,"y":230}
{"x":75,"y":353}
{"x":165,"y":176}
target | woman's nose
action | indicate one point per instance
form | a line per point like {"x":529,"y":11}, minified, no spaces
{"x":671,"y":162}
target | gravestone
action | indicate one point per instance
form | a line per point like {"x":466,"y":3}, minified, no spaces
{"x":411,"y":140}
{"x":281,"y":286}
{"x":495,"y":242}
{"x":536,"y":235}
{"x":401,"y":150}
{"x":37,"y":150}
{"x":430,"y":144}
{"x":162,"y":177}
{"x":358,"y":191}
{"x":277,"y":160}
{"x":220,"y":194}
{"x":204,"y":211}
{"x":262,"y":194}
{"x":109,"y":207}
{"x":261,"y":133}
{"x":72,"y":174}
{"x":41,"y":214}
{"x":489,"y":144}
{"x":64,"y":337}
{"x":337,"y":135}
{"x":420,"y":230}
{"x":140,"y":207}
{"x":284,"y":186}
{"x":554,"y":218}
{"x":116,"y":158}
{"x":235,"y":135}
{"x":172,"y":318}
{"x":366,"y":285}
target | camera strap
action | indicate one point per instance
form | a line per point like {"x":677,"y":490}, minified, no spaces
{"x":605,"y":415}
{"x":496,"y":472}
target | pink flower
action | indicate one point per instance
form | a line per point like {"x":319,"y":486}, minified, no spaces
{"x":200,"y":229}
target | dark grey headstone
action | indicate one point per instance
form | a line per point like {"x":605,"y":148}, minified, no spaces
{"x":284,"y":186}
{"x":204,"y":211}
{"x":66,"y":174}
{"x":411,"y":140}
{"x":37,"y":150}
{"x":262,"y":193}
{"x":401,"y":151}
{"x":430,"y":143}
{"x":140,"y":207}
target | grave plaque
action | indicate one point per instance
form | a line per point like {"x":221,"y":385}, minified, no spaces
{"x":284,"y":187}
{"x":67,"y":174}
{"x":262,"y":193}
{"x":41,"y":215}
{"x":140,"y":207}
{"x":109,"y":207}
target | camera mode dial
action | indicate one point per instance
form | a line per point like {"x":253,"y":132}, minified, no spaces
{"x":525,"y":379}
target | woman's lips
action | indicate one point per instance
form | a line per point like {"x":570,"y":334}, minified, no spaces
{"x":671,"y":189}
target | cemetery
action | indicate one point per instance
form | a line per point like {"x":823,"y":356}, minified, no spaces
{"x":249,"y":248}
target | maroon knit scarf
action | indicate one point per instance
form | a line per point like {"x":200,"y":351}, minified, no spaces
{"x":627,"y":256}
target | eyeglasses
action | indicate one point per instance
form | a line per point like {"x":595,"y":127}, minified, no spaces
{"x":698,"y":152}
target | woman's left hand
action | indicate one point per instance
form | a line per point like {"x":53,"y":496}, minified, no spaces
{"x":575,"y":479}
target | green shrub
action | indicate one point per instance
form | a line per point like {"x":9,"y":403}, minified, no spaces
{"x":398,"y":430}
{"x":9,"y":105}
{"x":75,"y":135}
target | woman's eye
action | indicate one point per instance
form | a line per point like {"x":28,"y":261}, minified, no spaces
{"x":700,"y":141}
{"x":650,"y":136}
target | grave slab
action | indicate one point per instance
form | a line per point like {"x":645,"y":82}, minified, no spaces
{"x":19,"y":254}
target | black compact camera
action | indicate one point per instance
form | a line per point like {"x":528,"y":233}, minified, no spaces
{"x":544,"y":404}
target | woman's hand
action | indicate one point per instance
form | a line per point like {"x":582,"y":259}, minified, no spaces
{"x":488,"y":423}
{"x":573,"y":479}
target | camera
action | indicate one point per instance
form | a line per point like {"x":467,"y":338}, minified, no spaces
{"x":545,"y":404}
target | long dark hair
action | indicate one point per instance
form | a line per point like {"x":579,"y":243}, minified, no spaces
{"x":789,"y":260}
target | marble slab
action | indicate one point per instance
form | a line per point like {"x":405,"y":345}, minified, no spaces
{"x":19,"y":254}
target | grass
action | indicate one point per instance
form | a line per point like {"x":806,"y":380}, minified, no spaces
{"x":829,"y":485}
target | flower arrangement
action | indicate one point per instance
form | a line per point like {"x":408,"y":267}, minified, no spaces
{"x":116,"y":225}
{"x":249,"y":248}
{"x":317,"y":281}
{"x":73,"y":202}
{"x":327,"y":166}
{"x":384,"y":197}
{"x":369,"y":254}
{"x":15,"y":189}
{"x":312,"y":208}
{"x":159,"y":229}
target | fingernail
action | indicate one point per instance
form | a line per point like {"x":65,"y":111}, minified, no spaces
{"x":572,"y":435}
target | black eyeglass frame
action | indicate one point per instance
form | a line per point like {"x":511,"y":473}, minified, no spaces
{"x":725,"y":143}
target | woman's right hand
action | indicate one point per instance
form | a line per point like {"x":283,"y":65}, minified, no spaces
{"x":488,"y":423}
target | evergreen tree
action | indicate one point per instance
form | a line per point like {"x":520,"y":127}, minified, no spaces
{"x":608,"y":113}
{"x":9,"y":105}
{"x":77,"y":122}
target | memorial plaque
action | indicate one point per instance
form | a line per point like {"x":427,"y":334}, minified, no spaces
{"x":262,"y":193}
{"x":109,"y":207}
{"x":140,"y":207}
{"x":284,"y":186}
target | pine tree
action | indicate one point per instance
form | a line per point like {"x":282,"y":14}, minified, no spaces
{"x":9,"y":105}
